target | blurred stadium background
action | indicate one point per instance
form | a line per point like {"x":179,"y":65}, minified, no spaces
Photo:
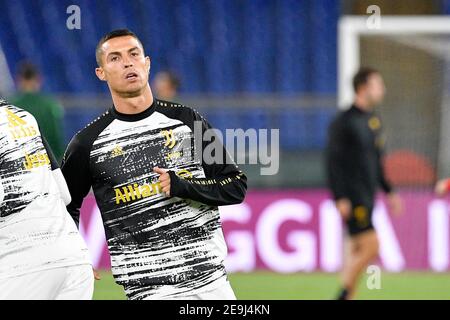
{"x":268,"y":64}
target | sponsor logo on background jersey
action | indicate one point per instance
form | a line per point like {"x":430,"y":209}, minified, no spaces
{"x":18,"y":126}
{"x":36,"y":160}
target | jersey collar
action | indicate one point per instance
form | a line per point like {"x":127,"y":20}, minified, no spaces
{"x":134,"y":117}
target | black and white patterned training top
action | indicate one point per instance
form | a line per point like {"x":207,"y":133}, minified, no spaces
{"x":36,"y":231}
{"x":160,"y":246}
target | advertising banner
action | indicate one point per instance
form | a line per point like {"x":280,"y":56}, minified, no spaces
{"x":301,"y":231}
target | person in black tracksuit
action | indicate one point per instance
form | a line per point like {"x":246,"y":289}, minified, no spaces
{"x":354,"y":164}
{"x":355,"y":171}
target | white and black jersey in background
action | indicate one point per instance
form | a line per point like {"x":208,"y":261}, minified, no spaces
{"x":160,"y":246}
{"x":36,"y":232}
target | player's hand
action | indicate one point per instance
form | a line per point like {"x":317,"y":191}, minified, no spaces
{"x":96,"y":274}
{"x":164,"y":180}
{"x":442,"y":187}
{"x":395,"y":204}
{"x":344,"y":206}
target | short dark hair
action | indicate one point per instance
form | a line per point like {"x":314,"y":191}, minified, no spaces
{"x":362,"y":76}
{"x":27,"y":71}
{"x":110,"y":35}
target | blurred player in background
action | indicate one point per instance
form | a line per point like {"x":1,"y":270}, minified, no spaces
{"x":354,"y":167}
{"x":166,"y":85}
{"x":162,"y":225}
{"x":46,"y":110}
{"x":42,"y":255}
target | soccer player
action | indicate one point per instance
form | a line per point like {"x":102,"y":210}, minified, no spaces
{"x":354,"y":168}
{"x":42,"y":255}
{"x":157,"y":198}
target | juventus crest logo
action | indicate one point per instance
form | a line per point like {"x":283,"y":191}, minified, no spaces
{"x":170,"y":138}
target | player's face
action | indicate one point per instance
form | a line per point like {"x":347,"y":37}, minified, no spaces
{"x":124,"y":66}
{"x":376,"y":89}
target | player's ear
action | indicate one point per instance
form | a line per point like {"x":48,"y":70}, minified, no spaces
{"x":100,"y":73}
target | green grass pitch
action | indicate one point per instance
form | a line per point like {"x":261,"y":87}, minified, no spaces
{"x":305,"y":286}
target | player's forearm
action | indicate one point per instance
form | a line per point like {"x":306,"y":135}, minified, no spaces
{"x":383,"y":181}
{"x":214,"y":192}
{"x":75,"y":168}
{"x":337,"y":179}
{"x":78,"y":189}
{"x":338,"y":190}
{"x":386,"y":186}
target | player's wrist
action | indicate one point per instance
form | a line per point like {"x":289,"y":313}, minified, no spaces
{"x":175,"y":184}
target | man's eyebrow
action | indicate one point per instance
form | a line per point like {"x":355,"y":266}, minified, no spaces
{"x":118,"y":52}
{"x":114,"y":53}
{"x":134,"y":48}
